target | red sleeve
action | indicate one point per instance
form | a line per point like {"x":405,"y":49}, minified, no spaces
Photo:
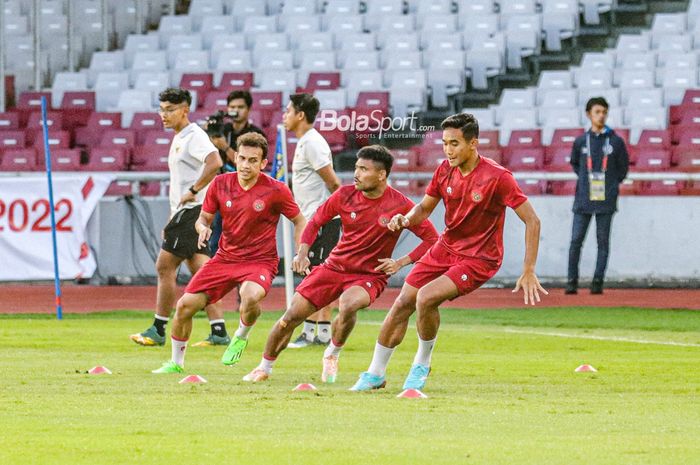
{"x":509,"y":192}
{"x":211,"y":199}
{"x":428,"y":233}
{"x":433,"y":188}
{"x":288,"y":207}
{"x":326,"y":212}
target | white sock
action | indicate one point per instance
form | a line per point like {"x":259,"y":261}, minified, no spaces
{"x":243,"y":330}
{"x":333,"y":350}
{"x":309,"y":329}
{"x":266,"y":365}
{"x":380,"y":359}
{"x":425,"y":351}
{"x":324,"y":332}
{"x":178,"y":351}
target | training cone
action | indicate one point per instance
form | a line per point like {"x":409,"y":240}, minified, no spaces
{"x":99,"y":370}
{"x":192,"y":379}
{"x":412,"y":394}
{"x":305,"y":387}
{"x":585,"y":369}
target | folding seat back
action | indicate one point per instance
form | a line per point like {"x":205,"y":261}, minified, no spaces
{"x":62,"y":159}
{"x":54,"y":120}
{"x":533,"y":186}
{"x":652,"y":159}
{"x":150,"y":158}
{"x":236,"y":81}
{"x":12,"y":139}
{"x":107,"y":159}
{"x":9,"y":120}
{"x":405,"y":160}
{"x":524,"y":158}
{"x":76,"y":108}
{"x":488,"y":140}
{"x":18,"y":159}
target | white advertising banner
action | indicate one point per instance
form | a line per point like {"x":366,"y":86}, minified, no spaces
{"x":25,"y":225}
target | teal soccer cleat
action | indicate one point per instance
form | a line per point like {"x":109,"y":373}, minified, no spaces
{"x":368,"y":381}
{"x":416,"y":377}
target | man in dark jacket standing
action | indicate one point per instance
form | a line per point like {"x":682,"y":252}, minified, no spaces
{"x":599,"y":159}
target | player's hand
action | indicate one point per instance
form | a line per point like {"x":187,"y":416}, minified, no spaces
{"x":388,"y":266}
{"x":397,"y":223}
{"x":301,"y":265}
{"x":219,"y":142}
{"x":187,"y":197}
{"x":531,"y":287}
{"x":204,"y":235}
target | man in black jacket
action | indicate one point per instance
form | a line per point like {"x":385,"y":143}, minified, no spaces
{"x":599,"y":159}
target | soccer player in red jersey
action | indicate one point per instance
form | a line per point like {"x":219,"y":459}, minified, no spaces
{"x":476,"y":192}
{"x":358,"y":268}
{"x":250,"y":204}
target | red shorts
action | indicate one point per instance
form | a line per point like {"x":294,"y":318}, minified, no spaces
{"x":324,"y":285}
{"x":217,"y":277}
{"x":468,"y":274}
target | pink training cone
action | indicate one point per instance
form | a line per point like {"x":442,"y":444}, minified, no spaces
{"x":99,"y":370}
{"x":585,"y":369}
{"x":412,"y":394}
{"x":192,"y":379}
{"x":305,"y":387}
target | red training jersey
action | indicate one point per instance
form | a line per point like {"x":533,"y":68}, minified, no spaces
{"x":250,"y":216}
{"x":365,"y":237}
{"x":475,"y":207}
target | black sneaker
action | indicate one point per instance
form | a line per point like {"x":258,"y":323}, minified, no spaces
{"x":571,"y":287}
{"x":300,"y":342}
{"x":597,"y":286}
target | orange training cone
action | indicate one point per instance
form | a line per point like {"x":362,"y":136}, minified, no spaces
{"x":585,"y":369}
{"x":412,"y":394}
{"x":192,"y":379}
{"x":305,"y":387}
{"x":99,"y":370}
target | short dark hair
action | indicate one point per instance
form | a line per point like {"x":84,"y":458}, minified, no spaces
{"x":378,"y":154}
{"x":596,"y":101}
{"x":306,"y":103}
{"x":176,"y":95}
{"x":252,"y":139}
{"x":244,"y":94}
{"x":464,"y":121}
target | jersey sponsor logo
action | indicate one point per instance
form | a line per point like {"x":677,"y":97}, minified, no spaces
{"x":476,"y":196}
{"x":228,"y":204}
{"x":383,"y":220}
{"x":258,"y":205}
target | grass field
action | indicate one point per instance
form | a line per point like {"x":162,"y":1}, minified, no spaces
{"x":502,"y":391}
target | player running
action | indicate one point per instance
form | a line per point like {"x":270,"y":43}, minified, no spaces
{"x":476,"y":192}
{"x":358,"y":268}
{"x":250,"y":204}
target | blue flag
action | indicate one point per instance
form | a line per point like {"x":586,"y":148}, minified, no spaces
{"x":279,"y":171}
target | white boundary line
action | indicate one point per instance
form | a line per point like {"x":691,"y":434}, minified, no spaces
{"x":601,"y":338}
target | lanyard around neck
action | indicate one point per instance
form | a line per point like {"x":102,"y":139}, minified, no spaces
{"x":607,"y":150}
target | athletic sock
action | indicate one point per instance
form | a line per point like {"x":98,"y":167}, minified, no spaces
{"x":178,"y":350}
{"x":159,"y":322}
{"x":324,"y":331}
{"x":380,"y":359}
{"x":309,"y":329}
{"x":243,"y":330}
{"x":218,"y":327}
{"x":332,"y":349}
{"x":266,"y":364}
{"x":424,"y":352}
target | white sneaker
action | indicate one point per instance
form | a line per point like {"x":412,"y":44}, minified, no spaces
{"x":256,"y":375}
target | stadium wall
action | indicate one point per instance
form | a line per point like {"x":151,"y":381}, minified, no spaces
{"x":654,"y":241}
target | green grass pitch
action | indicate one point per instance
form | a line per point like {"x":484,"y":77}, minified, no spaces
{"x":502,"y":391}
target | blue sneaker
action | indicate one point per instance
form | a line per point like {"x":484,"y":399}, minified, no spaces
{"x":416,"y":377}
{"x":368,"y":381}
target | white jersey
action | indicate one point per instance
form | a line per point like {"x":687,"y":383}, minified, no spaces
{"x":312,"y":153}
{"x":188,"y":151}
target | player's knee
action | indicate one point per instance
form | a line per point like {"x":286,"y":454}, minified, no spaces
{"x":350,"y":305}
{"x":405,"y":303}
{"x":426,"y":300}
{"x":164,"y":270}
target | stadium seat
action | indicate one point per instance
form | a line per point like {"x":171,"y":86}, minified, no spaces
{"x":107,"y":159}
{"x":30,"y":102}
{"x":9,"y":120}
{"x":12,"y":139}
{"x":357,"y":82}
{"x":54,"y":120}
{"x":484,"y":60}
{"x":76,"y":108}
{"x":150,"y":158}
{"x":137,"y":43}
{"x":405,"y":160}
{"x":235,"y":81}
{"x":495,"y":154}
{"x":122,"y":138}
{"x":652,"y":159}
{"x":18,"y":159}
{"x":524,"y":158}
{"x":142,"y":123}
{"x":533,"y":187}
{"x":557,"y":158}
{"x":562,"y":187}
{"x":62,"y":159}
{"x":215,"y":26}
{"x":660,"y":188}
{"x":409,"y":187}
{"x":98,"y":122}
{"x":565,"y":137}
{"x":525,"y":138}
{"x":108,"y":86}
{"x":57,"y":138}
{"x":119,"y":189}
{"x":488,"y":139}
{"x":202,"y":83}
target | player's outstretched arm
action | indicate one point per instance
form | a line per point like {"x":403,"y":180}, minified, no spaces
{"x":416,"y":215}
{"x":299,"y":223}
{"x":203,"y":228}
{"x":528,"y":280}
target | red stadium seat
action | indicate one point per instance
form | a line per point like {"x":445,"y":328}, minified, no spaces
{"x":76,"y":108}
{"x":9,"y":121}
{"x":526,"y":138}
{"x":652,"y":159}
{"x":666,"y":187}
{"x":53,"y":118}
{"x":409,"y":187}
{"x":533,"y":186}
{"x":98,"y":122}
{"x":405,"y":160}
{"x":216,"y":100}
{"x":269,"y":103}
{"x":257,"y":117}
{"x":688,"y":142}
{"x":624,"y":134}
{"x":202,"y":83}
{"x":57,"y":138}
{"x":12,"y":139}
{"x":691,"y":188}
{"x":371,"y":106}
{"x":144,"y":122}
{"x":565,"y":137}
{"x":494,"y":154}
{"x":62,"y":159}
{"x":524,"y":158}
{"x":558,"y":158}
{"x":158,"y":137}
{"x":119,"y":188}
{"x":687,"y":160}
{"x":30,"y":102}
{"x":691,"y":98}
{"x":150,"y":158}
{"x":488,"y":140}
{"x":18,"y":160}
{"x":650,"y":139}
{"x":107,"y":159}
{"x":335,"y":136}
{"x":236,"y":81}
{"x":124,"y":138}
{"x":322,"y":81}
{"x":562,"y":187}
{"x":629,"y":187}
{"x":153,"y":189}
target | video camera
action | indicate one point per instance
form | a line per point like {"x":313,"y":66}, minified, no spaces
{"x":216,"y":122}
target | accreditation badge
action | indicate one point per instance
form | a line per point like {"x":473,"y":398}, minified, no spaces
{"x":596,"y":186}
